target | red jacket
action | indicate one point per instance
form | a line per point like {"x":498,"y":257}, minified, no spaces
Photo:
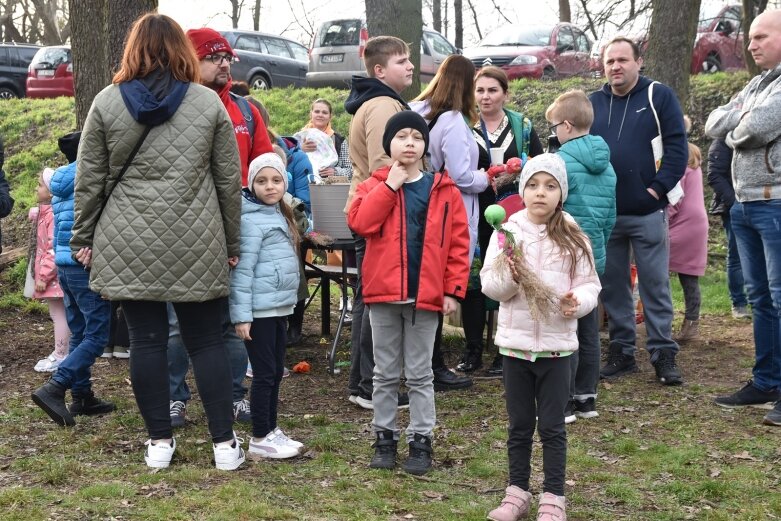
{"x":249,"y":148}
{"x":377,"y":214}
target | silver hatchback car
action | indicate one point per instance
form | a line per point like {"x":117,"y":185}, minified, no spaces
{"x":337,"y":53}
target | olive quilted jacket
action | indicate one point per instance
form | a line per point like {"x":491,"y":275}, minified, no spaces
{"x":171,"y":223}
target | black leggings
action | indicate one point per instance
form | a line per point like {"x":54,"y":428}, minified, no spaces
{"x":691,"y":295}
{"x":541,"y":389}
{"x":201,"y":327}
{"x":267,"y":354}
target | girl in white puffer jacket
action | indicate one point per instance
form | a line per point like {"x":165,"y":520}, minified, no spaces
{"x":536,"y":367}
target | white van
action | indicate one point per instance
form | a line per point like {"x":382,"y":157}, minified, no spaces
{"x":337,"y":53}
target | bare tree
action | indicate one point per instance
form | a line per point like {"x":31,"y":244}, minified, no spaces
{"x":670,"y":43}
{"x":611,"y":16}
{"x":236,"y":7}
{"x":403,"y":19}
{"x":564,"y":11}
{"x":99,"y":29}
{"x":305,"y":21}
{"x":34,"y":21}
{"x":436,"y":14}
{"x":458,"y":14}
{"x":474,"y":16}
{"x":256,"y":16}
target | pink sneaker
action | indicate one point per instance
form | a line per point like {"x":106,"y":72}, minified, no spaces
{"x":515,"y":505}
{"x":552,"y":508}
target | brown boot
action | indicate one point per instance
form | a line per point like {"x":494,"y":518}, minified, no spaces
{"x":690,"y":330}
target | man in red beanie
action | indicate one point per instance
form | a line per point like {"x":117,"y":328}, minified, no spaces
{"x":215,"y":56}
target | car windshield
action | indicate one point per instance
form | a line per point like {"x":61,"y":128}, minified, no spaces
{"x":52,"y":56}
{"x":339,"y":32}
{"x":537,"y":35}
{"x":708,"y":13}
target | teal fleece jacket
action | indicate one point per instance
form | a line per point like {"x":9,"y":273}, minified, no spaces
{"x":592,"y":191}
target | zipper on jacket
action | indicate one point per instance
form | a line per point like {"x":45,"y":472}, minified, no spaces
{"x":444,"y":220}
{"x":402,"y":240}
{"x":539,"y":271}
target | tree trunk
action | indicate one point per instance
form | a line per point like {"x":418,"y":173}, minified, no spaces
{"x":436,"y":14}
{"x":121,"y":16}
{"x":99,"y":29}
{"x":459,"y":15}
{"x":256,"y":16}
{"x":670,"y":43}
{"x":402,"y":19}
{"x":47,"y":13}
{"x":89,"y":46}
{"x":235,"y":12}
{"x":564,"y":11}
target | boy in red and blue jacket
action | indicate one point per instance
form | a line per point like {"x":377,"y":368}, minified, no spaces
{"x":416,"y":266}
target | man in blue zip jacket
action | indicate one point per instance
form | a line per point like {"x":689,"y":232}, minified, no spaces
{"x":624,"y":118}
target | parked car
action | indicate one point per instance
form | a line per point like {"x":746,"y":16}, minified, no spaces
{"x":14,"y":59}
{"x":535,"y":51}
{"x":267,"y":60}
{"x":719,"y":43}
{"x":50,"y":74}
{"x":337,"y":53}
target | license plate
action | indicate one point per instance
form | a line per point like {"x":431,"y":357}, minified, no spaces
{"x":45,"y":72}
{"x":332,"y":58}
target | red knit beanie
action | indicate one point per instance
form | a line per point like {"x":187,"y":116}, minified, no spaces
{"x":208,"y":41}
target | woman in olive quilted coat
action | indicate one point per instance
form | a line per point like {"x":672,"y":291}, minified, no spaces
{"x":169,"y":229}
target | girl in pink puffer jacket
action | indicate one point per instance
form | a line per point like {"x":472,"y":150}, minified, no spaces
{"x":556,"y":253}
{"x":44,"y":272}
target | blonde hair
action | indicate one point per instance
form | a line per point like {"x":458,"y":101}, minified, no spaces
{"x":695,"y":156}
{"x":279,"y":151}
{"x":453,"y":88}
{"x":379,"y":51}
{"x":573,"y":106}
{"x":156,"y":41}
{"x":287,"y":211}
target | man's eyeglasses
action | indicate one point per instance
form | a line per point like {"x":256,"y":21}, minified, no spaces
{"x":217,"y":59}
{"x":552,"y":128}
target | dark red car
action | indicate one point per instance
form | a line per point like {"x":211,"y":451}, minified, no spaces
{"x":719,"y":43}
{"x":535,"y":51}
{"x":51,"y":73}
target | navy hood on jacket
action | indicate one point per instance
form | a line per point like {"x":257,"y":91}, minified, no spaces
{"x":153,"y":108}
{"x":627,"y":124}
{"x":364,"y":89}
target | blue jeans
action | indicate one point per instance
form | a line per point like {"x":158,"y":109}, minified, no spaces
{"x":647,"y":237}
{"x":735,"y":283}
{"x":179,"y":362}
{"x":756,"y":228}
{"x":88,"y":318}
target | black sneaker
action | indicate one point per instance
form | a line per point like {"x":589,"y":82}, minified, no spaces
{"x":748,"y":396}
{"x":403,"y":400}
{"x":384,"y":451}
{"x":585,"y":408}
{"x":470,"y":363}
{"x":666,"y":370}
{"x":241,"y":411}
{"x":419,"y":460}
{"x":618,"y":364}
{"x":51,"y":398}
{"x":496,"y":369}
{"x":447,"y":380}
{"x":293,"y":335}
{"x":177,"y":409}
{"x":90,"y":405}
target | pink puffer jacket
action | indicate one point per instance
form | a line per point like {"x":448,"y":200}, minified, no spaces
{"x":517,"y":330}
{"x":44,"y":268}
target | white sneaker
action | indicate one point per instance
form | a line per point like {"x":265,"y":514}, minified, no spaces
{"x":158,"y":455}
{"x":48,"y":364}
{"x":293,"y":443}
{"x":272,"y":446}
{"x":227,"y":457}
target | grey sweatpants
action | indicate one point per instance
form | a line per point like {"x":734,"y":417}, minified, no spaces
{"x":400,"y":343}
{"x":647,"y":237}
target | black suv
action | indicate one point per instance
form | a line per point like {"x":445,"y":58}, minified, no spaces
{"x":14,"y":59}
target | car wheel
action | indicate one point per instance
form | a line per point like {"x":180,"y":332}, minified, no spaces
{"x":548,"y":74}
{"x":259,"y":82}
{"x":8,"y":93}
{"x":711,"y":64}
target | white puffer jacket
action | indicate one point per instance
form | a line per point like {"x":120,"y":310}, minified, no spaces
{"x":517,"y":330}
